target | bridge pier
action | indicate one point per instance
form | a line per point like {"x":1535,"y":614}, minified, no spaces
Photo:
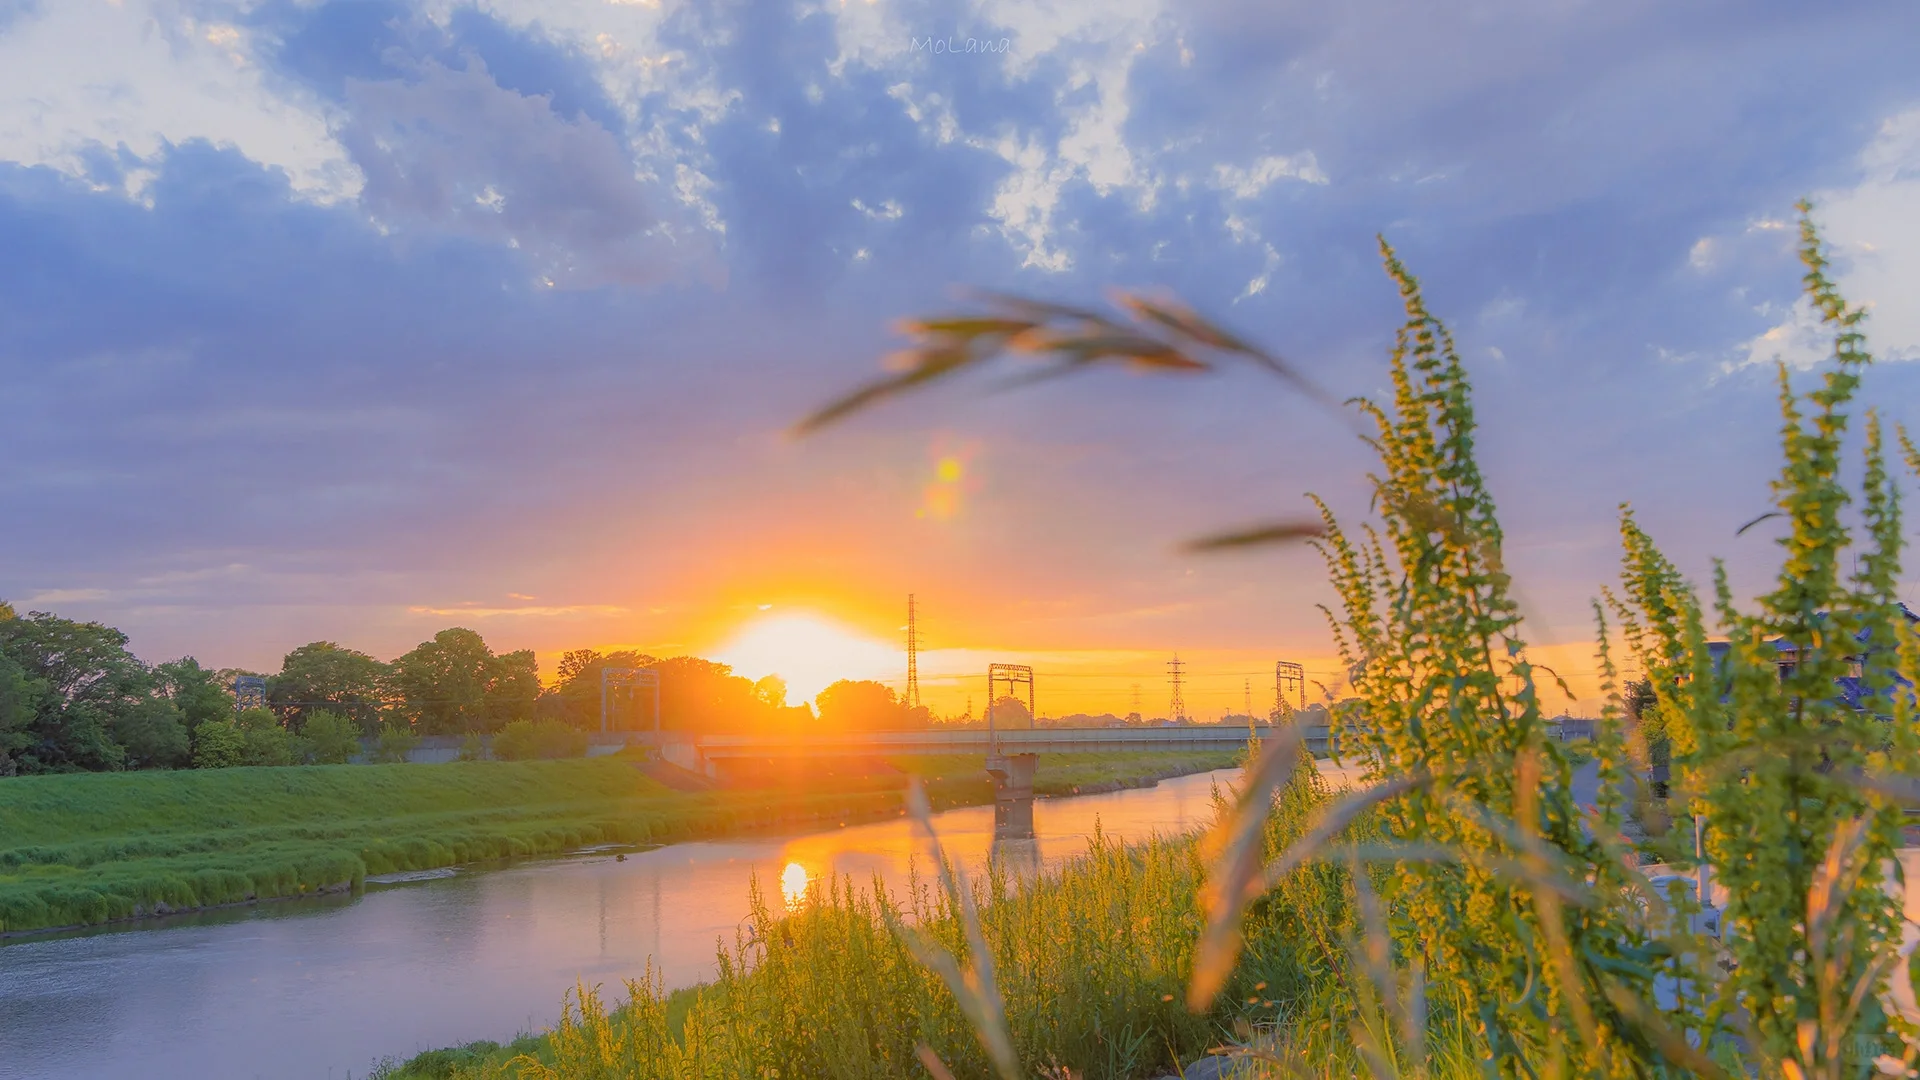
{"x":1012,"y":775}
{"x":1012,"y":794}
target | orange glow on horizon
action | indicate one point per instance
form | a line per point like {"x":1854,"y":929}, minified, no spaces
{"x":809,"y":652}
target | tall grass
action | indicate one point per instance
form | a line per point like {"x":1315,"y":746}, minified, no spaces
{"x":1514,"y":915}
{"x":1093,"y":962}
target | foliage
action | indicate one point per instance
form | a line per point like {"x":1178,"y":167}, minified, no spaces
{"x":454,"y":683}
{"x":525,"y":740}
{"x":82,"y":678}
{"x":1764,"y":747}
{"x":1092,"y":961}
{"x":197,"y":693}
{"x":1430,"y":633}
{"x":393,"y":744}
{"x":334,"y":739}
{"x":863,"y":705}
{"x":1513,"y":912}
{"x":153,"y":735}
{"x":218,"y":744}
{"x":474,"y":748}
{"x":323,"y":675}
{"x":576,"y":691}
{"x":263,"y":741}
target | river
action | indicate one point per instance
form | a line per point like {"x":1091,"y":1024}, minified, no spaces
{"x":323,"y":989}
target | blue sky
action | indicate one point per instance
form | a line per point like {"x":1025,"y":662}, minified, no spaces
{"x":356,"y":320}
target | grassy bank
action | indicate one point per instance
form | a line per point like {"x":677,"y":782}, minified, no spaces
{"x":1092,"y":963}
{"x":85,"y":849}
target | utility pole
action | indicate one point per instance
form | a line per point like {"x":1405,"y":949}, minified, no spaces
{"x":1179,"y":704}
{"x":913,"y":657}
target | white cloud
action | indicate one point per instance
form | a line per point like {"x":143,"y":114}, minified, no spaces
{"x":1249,"y":182}
{"x":145,"y":74}
{"x":1873,"y":230}
{"x":1798,"y":340}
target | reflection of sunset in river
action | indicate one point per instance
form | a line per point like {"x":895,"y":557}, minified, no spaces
{"x":793,"y":885}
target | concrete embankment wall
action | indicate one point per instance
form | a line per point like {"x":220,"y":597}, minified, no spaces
{"x":440,"y":749}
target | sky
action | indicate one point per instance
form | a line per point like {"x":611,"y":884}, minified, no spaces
{"x":355,"y":321}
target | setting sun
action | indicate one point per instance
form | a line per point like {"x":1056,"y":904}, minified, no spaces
{"x":810,"y":653}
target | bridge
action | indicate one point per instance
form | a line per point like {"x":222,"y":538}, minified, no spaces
{"x":1010,"y":754}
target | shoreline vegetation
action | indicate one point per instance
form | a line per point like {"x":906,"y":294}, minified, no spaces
{"x":1092,"y":960}
{"x":88,"y":849}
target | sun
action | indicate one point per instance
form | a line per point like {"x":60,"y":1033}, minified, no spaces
{"x":809,"y":652}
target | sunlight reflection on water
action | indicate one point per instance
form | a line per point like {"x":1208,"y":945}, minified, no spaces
{"x":315,"y":989}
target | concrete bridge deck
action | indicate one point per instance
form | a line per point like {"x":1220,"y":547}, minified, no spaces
{"x":1161,"y":740}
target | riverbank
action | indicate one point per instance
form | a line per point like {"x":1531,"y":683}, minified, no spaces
{"x":83,"y":850}
{"x":1092,"y":959}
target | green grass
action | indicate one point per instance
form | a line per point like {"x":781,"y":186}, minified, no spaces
{"x":1092,"y":962}
{"x":85,"y":849}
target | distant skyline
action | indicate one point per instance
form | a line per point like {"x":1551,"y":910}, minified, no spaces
{"x":355,"y":321}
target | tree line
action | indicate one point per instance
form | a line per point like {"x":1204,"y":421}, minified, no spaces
{"x":74,"y":698}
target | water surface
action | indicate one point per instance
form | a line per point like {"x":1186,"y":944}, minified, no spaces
{"x":325,"y":988}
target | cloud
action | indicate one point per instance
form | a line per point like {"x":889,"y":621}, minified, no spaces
{"x":1872,"y":229}
{"x":1249,"y":182}
{"x":461,"y":611}
{"x":283,"y":303}
{"x":454,"y":150}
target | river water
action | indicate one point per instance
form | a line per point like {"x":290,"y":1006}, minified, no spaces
{"x":323,"y":989}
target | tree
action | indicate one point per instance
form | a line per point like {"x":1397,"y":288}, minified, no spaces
{"x":512,"y":688}
{"x":263,"y":741}
{"x":323,"y":675}
{"x":772,"y":691}
{"x":333,"y":739}
{"x":700,"y":695}
{"x":87,"y":679}
{"x":454,"y":683}
{"x":217,"y":744}
{"x":1010,"y":712}
{"x":196,"y":692}
{"x":576,"y":694}
{"x":860,"y":705}
{"x":19,"y":696}
{"x":153,"y":735}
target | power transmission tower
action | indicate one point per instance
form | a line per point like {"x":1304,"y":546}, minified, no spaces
{"x":1248,"y":708}
{"x":1013,"y":675}
{"x":913,"y":656}
{"x":1287,"y":675}
{"x":1134,"y":716}
{"x":249,"y":692}
{"x":628,"y":679}
{"x":1179,"y":705}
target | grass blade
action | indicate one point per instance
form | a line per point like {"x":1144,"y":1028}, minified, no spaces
{"x":1233,"y":880}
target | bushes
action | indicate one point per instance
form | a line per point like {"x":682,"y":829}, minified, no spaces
{"x":217,"y":745}
{"x":525,"y":740}
{"x":394,"y":743}
{"x":332,"y":739}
